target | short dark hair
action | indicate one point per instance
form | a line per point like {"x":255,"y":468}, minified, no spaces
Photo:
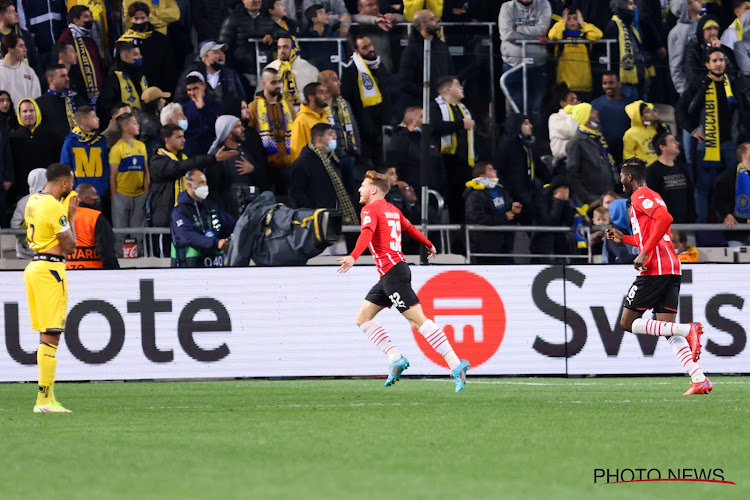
{"x":382,"y":169}
{"x":560,"y":93}
{"x":312,"y":11}
{"x":267,"y":5}
{"x":444,"y":81}
{"x":310,"y":90}
{"x":357,"y":34}
{"x":117,"y":107}
{"x":138,"y":7}
{"x":611,"y":73}
{"x":480,"y":168}
{"x":168,"y":130}
{"x":58,"y":171}
{"x":270,"y":71}
{"x":59,"y":48}
{"x":52,"y":69}
{"x":82,"y":111}
{"x":193,"y":79}
{"x":9,"y":42}
{"x":741,"y":150}
{"x":658,"y":141}
{"x":319,"y":130}
{"x":286,"y":34}
{"x":713,"y":50}
{"x":76,"y":12}
{"x":123,"y":48}
{"x":635,"y":167}
{"x":123,"y":118}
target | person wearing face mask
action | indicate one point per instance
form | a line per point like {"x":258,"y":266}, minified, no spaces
{"x":154,"y":100}
{"x":645,"y":124}
{"x":125,"y":82}
{"x":404,"y":151}
{"x":95,"y":240}
{"x":88,"y":53}
{"x":316,"y":178}
{"x":591,"y":169}
{"x":173,"y":114}
{"x":156,"y":48}
{"x":201,"y":231}
{"x":163,"y":13}
{"x":630,"y":58}
{"x":222,"y":82}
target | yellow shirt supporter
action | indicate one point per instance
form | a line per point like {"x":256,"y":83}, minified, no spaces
{"x":45,"y":218}
{"x":130,"y":163}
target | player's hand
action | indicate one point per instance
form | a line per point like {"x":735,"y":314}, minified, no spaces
{"x":346,"y":263}
{"x":640,"y":262}
{"x":431,"y":252}
{"x":730,"y":221}
{"x":614,"y":235}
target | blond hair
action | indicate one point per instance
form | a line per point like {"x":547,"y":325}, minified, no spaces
{"x":379,"y":180}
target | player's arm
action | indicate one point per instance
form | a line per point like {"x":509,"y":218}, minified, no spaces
{"x":365,"y":237}
{"x":663,"y":220}
{"x":66,"y":234}
{"x":418,"y":236}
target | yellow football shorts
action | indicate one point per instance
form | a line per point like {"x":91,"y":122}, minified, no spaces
{"x":47,"y":294}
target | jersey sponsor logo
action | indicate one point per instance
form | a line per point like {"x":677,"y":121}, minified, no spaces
{"x":366,"y":220}
{"x":63,"y":221}
{"x":647,"y":203}
{"x":470,"y":312}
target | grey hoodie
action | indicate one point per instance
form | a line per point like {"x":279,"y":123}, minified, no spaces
{"x":518,"y":22}
{"x":677,"y":40}
{"x":37,"y":179}
{"x":223,"y":127}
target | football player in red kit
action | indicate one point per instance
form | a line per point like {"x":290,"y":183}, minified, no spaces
{"x":658,"y":286}
{"x":382,"y":226}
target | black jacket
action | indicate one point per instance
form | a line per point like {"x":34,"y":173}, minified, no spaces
{"x":694,"y":58}
{"x":310,"y":185}
{"x":480,"y":209}
{"x":111,"y":94}
{"x":164,"y":172}
{"x":588,"y":170}
{"x":551,"y":211}
{"x":208,"y":15}
{"x":158,"y":60}
{"x":371,"y":119}
{"x":54,"y":117}
{"x":31,"y":151}
{"x":690,"y":108}
{"x":238,"y":27}
{"x":404,"y":151}
{"x":412,"y":67}
{"x":229,"y":87}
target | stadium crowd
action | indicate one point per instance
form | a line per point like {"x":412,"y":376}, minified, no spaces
{"x":119,"y":91}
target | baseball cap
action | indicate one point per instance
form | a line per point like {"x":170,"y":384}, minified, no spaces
{"x":211,"y":45}
{"x":154,"y":93}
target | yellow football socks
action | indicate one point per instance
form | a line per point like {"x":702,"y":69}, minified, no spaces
{"x":47,"y":361}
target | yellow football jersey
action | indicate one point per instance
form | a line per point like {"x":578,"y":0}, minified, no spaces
{"x":45,"y":218}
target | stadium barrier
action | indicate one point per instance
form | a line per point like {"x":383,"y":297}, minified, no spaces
{"x":298,"y":322}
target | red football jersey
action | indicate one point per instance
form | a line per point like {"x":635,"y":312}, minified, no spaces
{"x":662,"y":259}
{"x":387,"y":222}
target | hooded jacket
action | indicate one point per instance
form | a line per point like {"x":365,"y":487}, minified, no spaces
{"x":619,"y":253}
{"x":36,"y":180}
{"x":588,"y":169}
{"x":304,"y":122}
{"x":677,"y":42}
{"x":694,"y":63}
{"x":412,"y":66}
{"x":519,"y":22}
{"x":19,"y":81}
{"x":729,"y":37}
{"x":637,"y":139}
{"x":88,"y":155}
{"x":238,"y":27}
{"x":31,"y":148}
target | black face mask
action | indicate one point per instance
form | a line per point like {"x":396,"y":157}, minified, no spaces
{"x":216,"y":66}
{"x":626,"y":15}
{"x":88,"y":25}
{"x":433,"y":31}
{"x":97,"y":205}
{"x":140,"y":27}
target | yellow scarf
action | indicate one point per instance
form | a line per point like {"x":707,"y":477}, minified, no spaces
{"x":711,"y":120}
{"x":449,"y":143}
{"x":264,"y":126}
{"x":737,"y":23}
{"x":179,"y":184}
{"x":287,"y":79}
{"x":134,"y":36}
{"x":128,"y":92}
{"x":368,"y":87}
{"x":86,"y":66}
{"x":628,"y":70}
{"x":346,"y":122}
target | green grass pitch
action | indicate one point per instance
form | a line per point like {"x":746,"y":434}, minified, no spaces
{"x":350,"y":439}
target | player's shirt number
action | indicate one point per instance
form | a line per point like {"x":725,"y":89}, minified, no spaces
{"x":395,"y":226}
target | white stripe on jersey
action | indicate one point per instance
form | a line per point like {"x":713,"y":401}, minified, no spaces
{"x":375,"y":256}
{"x":658,"y":258}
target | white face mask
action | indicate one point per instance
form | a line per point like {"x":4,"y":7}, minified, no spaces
{"x":647,"y":123}
{"x":332,"y":143}
{"x":201,"y":192}
{"x":594,"y":125}
{"x":183,"y":124}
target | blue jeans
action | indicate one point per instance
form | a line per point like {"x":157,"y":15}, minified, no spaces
{"x":705,"y":176}
{"x":536,"y":85}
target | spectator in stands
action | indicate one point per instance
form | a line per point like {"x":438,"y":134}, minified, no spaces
{"x":7,"y":177}
{"x":310,"y":114}
{"x":208,"y":15}
{"x":112,"y":132}
{"x":453,"y":126}
{"x":341,"y":118}
{"x":95,"y":240}
{"x":488,"y":202}
{"x":706,"y":37}
{"x":715,"y":94}
{"x":521,"y":168}
{"x":614,"y":121}
{"x":553,"y":208}
{"x":645,"y":124}
{"x":412,"y":8}
{"x":732,"y":194}
{"x":380,"y":28}
{"x":404,"y":151}
{"x":426,"y":26}
{"x":88,"y":53}
{"x":168,"y":167}
{"x":338,"y":15}
{"x":669,"y":177}
{"x":687,"y":13}
{"x":316,"y":179}
{"x":223,"y":83}
{"x":200,"y":229}
{"x":735,"y":31}
{"x":600,"y":218}
{"x":154,"y":100}
{"x":65,"y":53}
{"x":278,"y":12}
{"x":525,"y":20}
{"x":128,"y":179}
{"x":45,"y":21}
{"x":163,"y":13}
{"x":125,"y":82}
{"x":295,"y":73}
{"x":31,"y":144}
{"x":562,"y":127}
{"x":630,"y":57}
{"x":173,"y":114}
{"x":8,"y":119}
{"x":201,"y":113}
{"x":686,"y":253}
{"x":272,"y":116}
{"x":319,"y":53}
{"x":35,"y":182}
{"x":86,"y":152}
{"x":591,"y":170}
{"x":58,"y":105}
{"x":619,"y":253}
{"x":230,"y":181}
{"x":17,"y":78}
{"x":156,"y":48}
{"x":247,"y":22}
{"x":401,"y":194}
{"x":101,"y":12}
{"x":9,"y":24}
{"x":573,"y":64}
{"x":364,"y":84}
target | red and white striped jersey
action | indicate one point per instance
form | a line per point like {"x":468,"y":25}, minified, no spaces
{"x":386,"y":222}
{"x":662,"y":259}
